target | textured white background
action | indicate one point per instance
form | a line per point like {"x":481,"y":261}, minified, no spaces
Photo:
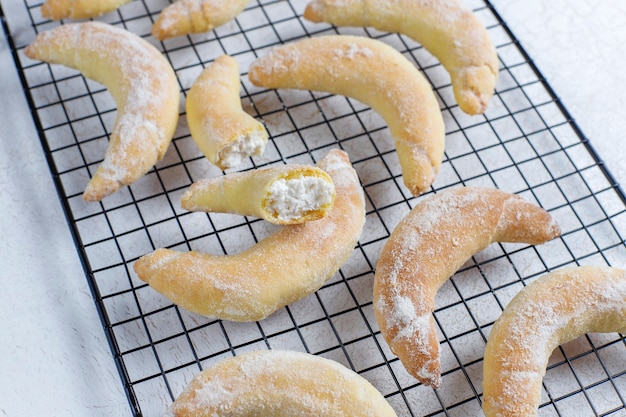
{"x":580,"y":47}
{"x":54,"y":359}
{"x":53,"y":356}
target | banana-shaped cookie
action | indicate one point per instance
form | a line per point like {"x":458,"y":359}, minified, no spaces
{"x":286,"y":194}
{"x":79,"y":9}
{"x":552,"y":310}
{"x":184,"y":17}
{"x":446,"y":28}
{"x":141,"y":81}
{"x":279,"y":384}
{"x":427,"y":247}
{"x":288,"y":265}
{"x":379,"y":76}
{"x":223,"y":131}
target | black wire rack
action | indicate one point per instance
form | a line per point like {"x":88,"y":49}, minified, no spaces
{"x":526,"y":143}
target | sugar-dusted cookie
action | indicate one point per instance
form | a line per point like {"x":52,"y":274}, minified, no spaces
{"x":425,"y":249}
{"x":185,"y":17}
{"x":550,"y":311}
{"x":141,"y":81}
{"x":79,"y":9}
{"x":279,"y":383}
{"x":379,"y":76}
{"x":446,"y":28}
{"x":284,"y":267}
{"x":284,"y":194}
{"x":223,"y":131}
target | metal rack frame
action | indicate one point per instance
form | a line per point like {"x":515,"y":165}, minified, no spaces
{"x":526,"y":143}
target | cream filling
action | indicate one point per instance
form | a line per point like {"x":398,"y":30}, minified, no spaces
{"x":290,"y":199}
{"x":251,"y":144}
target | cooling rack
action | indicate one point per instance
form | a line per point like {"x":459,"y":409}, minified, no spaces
{"x":526,"y":143}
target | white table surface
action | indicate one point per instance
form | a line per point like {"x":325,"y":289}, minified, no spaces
{"x":578,"y":46}
{"x":54,"y":358}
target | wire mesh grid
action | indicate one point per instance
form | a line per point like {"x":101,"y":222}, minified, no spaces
{"x":525,"y":143}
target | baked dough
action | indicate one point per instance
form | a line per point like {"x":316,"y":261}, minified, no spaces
{"x":79,"y":9}
{"x":379,"y":76}
{"x":184,"y":17}
{"x":446,"y":28}
{"x":284,"y":267}
{"x":279,"y":384}
{"x":223,"y":131}
{"x":285,"y":194}
{"x":140,"y":80}
{"x":552,"y":310}
{"x":427,"y":247}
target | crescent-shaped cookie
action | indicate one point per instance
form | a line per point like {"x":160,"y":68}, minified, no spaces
{"x":285,"y":194}
{"x":141,"y":81}
{"x":278,"y":383}
{"x":223,"y":131}
{"x":79,"y":9}
{"x":446,"y":28}
{"x":552,"y":310}
{"x":284,"y":267}
{"x":379,"y":76}
{"x":184,"y":17}
{"x":425,"y":249}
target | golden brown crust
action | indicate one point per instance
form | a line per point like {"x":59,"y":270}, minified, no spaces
{"x":140,"y":80}
{"x":552,"y":310}
{"x":379,"y":76}
{"x":184,"y":17}
{"x":279,"y":384}
{"x":427,"y":247}
{"x":249,"y":193}
{"x":223,"y":131}
{"x":79,"y":9}
{"x":447,"y":29}
{"x":288,"y":265}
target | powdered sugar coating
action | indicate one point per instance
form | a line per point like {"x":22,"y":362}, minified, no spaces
{"x":140,"y":80}
{"x":195,"y":16}
{"x":280,"y":383}
{"x":375,"y":74}
{"x":554,"y":309}
{"x":61,"y":9}
{"x":290,"y":264}
{"x":219,"y":126}
{"x":447,"y":29}
{"x":427,"y":247}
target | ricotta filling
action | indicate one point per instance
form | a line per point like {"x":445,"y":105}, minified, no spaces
{"x":251,"y":144}
{"x":292,"y":198}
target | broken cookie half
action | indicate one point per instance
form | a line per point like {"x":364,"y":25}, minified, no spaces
{"x":286,"y":194}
